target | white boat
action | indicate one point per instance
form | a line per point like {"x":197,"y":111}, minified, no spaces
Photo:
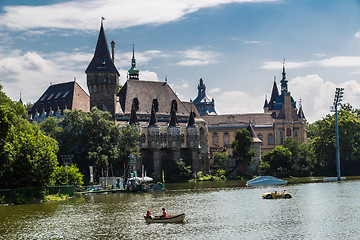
{"x":170,"y":219}
{"x":265,"y":180}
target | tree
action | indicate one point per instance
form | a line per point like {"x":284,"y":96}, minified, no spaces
{"x":302,"y":158}
{"x":349,"y":138}
{"x":50,"y":127}
{"x":27,"y":156}
{"x":277,"y":162}
{"x":241,"y":146}
{"x":96,"y":140}
{"x":74,"y":176}
{"x":220,"y":159}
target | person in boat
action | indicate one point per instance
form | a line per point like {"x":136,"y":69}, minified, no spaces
{"x":148,"y":213}
{"x":164,"y":214}
{"x":276,"y":193}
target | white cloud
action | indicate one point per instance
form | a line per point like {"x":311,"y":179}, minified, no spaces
{"x":196,"y":57}
{"x":85,"y":14}
{"x":338,"y":61}
{"x":317,"y":95}
{"x":214,"y":90}
{"x":31,"y":73}
{"x":237,"y":102}
{"x":183,"y":85}
{"x":357,"y":35}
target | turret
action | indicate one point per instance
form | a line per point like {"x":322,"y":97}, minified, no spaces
{"x":102,"y":77}
{"x":133,"y":71}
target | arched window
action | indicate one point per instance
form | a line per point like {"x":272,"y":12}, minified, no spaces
{"x":270,"y":139}
{"x":215,"y":139}
{"x":260,"y":136}
{"x":281,"y":137}
{"x":226,"y":138}
{"x":288,"y":132}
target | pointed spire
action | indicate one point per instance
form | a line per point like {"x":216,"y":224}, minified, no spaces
{"x":102,"y":61}
{"x":274,"y":95}
{"x":20,"y":98}
{"x":266,"y":104}
{"x":284,"y":86}
{"x":252,"y":133}
{"x":191,"y":121}
{"x":133,"y":71}
{"x":173,"y":120}
{"x":301,"y":112}
{"x":133,"y":117}
{"x":153,"y":120}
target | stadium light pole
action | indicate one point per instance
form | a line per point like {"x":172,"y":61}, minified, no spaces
{"x":339,"y":93}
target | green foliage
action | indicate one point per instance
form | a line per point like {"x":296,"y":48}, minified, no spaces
{"x":278,"y":162}
{"x":27,"y":156}
{"x":179,"y":171}
{"x":241,"y":146}
{"x":219,"y":175}
{"x":324,"y":143}
{"x":50,"y":127}
{"x":75,"y":176}
{"x":96,"y":140}
{"x":220,"y":159}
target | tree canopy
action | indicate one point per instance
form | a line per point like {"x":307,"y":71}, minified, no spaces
{"x":349,"y":140}
{"x":27,"y":156}
{"x":241,"y":146}
{"x":96,"y":140}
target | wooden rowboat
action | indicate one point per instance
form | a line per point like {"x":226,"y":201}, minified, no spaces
{"x":170,"y":219}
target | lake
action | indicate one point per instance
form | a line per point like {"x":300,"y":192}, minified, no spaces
{"x":223,"y":210}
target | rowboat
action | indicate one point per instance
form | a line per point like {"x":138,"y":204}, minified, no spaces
{"x":170,"y":219}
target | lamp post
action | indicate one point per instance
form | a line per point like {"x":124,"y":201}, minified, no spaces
{"x":67,"y":160}
{"x":339,"y":93}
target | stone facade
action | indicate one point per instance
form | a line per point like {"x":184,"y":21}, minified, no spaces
{"x":169,"y":128}
{"x":103,"y":89}
{"x":280,"y":120}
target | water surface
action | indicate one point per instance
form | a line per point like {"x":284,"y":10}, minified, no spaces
{"x":328,"y":210}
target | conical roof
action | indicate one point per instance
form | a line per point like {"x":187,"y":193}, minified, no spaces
{"x":253,"y":134}
{"x":191,"y":121}
{"x":101,"y":61}
{"x":153,"y":120}
{"x":274,"y":95}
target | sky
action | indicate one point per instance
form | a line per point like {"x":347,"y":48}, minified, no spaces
{"x":236,"y":46}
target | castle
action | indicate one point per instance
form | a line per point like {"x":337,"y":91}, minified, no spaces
{"x":170,"y":128}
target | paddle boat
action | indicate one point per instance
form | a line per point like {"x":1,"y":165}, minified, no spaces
{"x":276,"y":195}
{"x":265,"y":180}
{"x":169,"y":219}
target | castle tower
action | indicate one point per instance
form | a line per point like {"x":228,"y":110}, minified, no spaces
{"x":202,"y":102}
{"x":133,"y":71}
{"x":103,"y":77}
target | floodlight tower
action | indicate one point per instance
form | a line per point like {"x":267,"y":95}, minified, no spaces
{"x":339,"y":93}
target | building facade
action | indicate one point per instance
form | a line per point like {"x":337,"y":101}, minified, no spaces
{"x":169,"y":128}
{"x":280,"y":120}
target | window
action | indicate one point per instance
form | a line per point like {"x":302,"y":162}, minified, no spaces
{"x":260,"y":136}
{"x":101,"y":63}
{"x":215,"y":139}
{"x":288,"y":132}
{"x":270,"y":139}
{"x":226,"y":138}
{"x":281,"y":137}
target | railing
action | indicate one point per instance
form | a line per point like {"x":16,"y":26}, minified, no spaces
{"x":26,"y":195}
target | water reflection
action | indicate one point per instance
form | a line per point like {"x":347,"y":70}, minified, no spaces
{"x":317,"y":211}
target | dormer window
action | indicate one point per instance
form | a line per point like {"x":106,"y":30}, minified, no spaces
{"x":101,"y":63}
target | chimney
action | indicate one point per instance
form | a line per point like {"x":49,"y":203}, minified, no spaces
{"x":113,"y":51}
